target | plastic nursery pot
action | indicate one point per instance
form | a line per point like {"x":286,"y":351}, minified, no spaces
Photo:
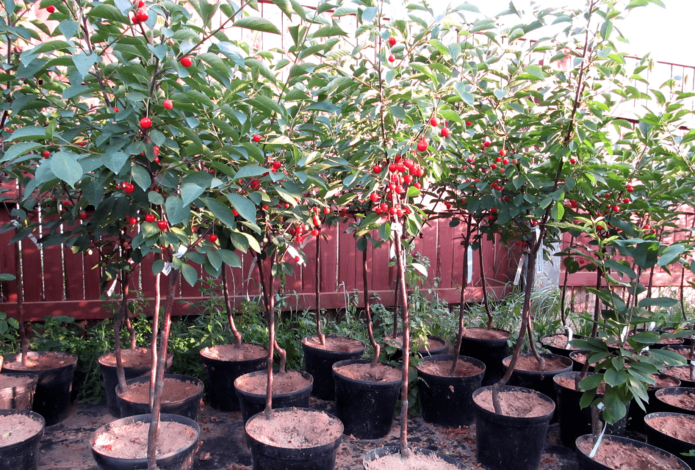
{"x":110,"y":375}
{"x":187,"y":407}
{"x":670,"y":444}
{"x":576,"y":364}
{"x":251,"y":403}
{"x":19,"y":396}
{"x":575,"y":421}
{"x":587,"y":463}
{"x":22,"y":455}
{"x":365,"y":408}
{"x":636,"y":414}
{"x":52,"y":396}
{"x":220,"y":376}
{"x":547,"y":342}
{"x":541,"y":381}
{"x":681,"y":373}
{"x":681,"y":395}
{"x":510,"y":442}
{"x":268,"y":457}
{"x":445,"y":400}
{"x":394,"y":450}
{"x":181,"y":459}
{"x":489,"y":350}
{"x":319,"y":363}
{"x":398,"y":354}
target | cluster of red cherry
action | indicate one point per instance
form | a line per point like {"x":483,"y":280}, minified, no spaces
{"x":402,"y":171}
{"x":140,"y":16}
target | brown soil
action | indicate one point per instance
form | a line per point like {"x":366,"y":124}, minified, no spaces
{"x":569,"y":383}
{"x":130,"y":441}
{"x":680,"y":427}
{"x":13,"y":381}
{"x":290,"y":381}
{"x":558,"y":341}
{"x":529,"y":363}
{"x":336,"y":344}
{"x":397,"y":342}
{"x":416,"y":461}
{"x":580,"y":358}
{"x":295,"y":429}
{"x":442,"y":368}
{"x":17,"y":428}
{"x":45,"y":361}
{"x":139,"y":358}
{"x":670,"y":341}
{"x":367,"y":373}
{"x":685,"y":401}
{"x":232,"y":353}
{"x":483,"y":333}
{"x":620,"y":456}
{"x":663,"y":381}
{"x":679,"y":372}
{"x":683,"y":352}
{"x":174,"y":391}
{"x":517,"y":404}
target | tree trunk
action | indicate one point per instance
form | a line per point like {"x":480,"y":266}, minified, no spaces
{"x":269,"y":296}
{"x":563,"y":318}
{"x":155,"y":333}
{"x":228,"y":306}
{"x":464,"y":285}
{"x":321,"y":336}
{"x":396,"y":307}
{"x":122,"y":313}
{"x":159,"y":371}
{"x":24,"y":342}
{"x":368,"y":311}
{"x":594,"y":329}
{"x":405,"y":452}
{"x":490,"y":319}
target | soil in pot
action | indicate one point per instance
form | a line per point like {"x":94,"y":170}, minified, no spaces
{"x":20,"y":435}
{"x":489,"y":346}
{"x":636,"y":414}
{"x":17,"y":391}
{"x":291,"y":389}
{"x":224,"y":364}
{"x":558,"y":344}
{"x":672,"y":432}
{"x":294,"y":439}
{"x":448,"y":400}
{"x":389,"y":458}
{"x":366,"y":396}
{"x":682,"y":350}
{"x":618,"y":453}
{"x":529,"y":374}
{"x":515,"y":438}
{"x":319,"y":360}
{"x":55,"y":372}
{"x":433,"y":346}
{"x":682,"y":373}
{"x":181,"y":395}
{"x":136,"y":363}
{"x":676,"y":399}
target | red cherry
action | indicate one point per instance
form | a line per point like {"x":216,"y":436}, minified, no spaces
{"x":392,"y":41}
{"x":469,"y":123}
{"x":376,"y":169}
{"x":115,"y":109}
{"x":145,"y":123}
{"x":374,"y":197}
{"x":83,"y":215}
{"x":46,"y":154}
{"x":256,"y":138}
{"x":132,"y":221}
{"x":446,"y":132}
{"x":186,"y":61}
{"x":156,"y":159}
{"x":150,"y":218}
{"x":134,"y":19}
{"x":141,"y":4}
{"x":434,"y":122}
{"x":487,"y":143}
{"x":573,"y":161}
{"x":626,"y":201}
{"x":616,"y":208}
{"x":515,"y":161}
{"x":630,"y":189}
{"x":212,"y":238}
{"x":129,"y":189}
{"x":653,"y":230}
{"x":168,"y":104}
{"x":235,"y":212}
{"x":277,"y":165}
{"x":392,"y":59}
{"x":503,"y":152}
{"x":315,"y":232}
{"x":422,"y":145}
{"x":50,"y":9}
{"x":297,"y":259}
{"x":326,"y":210}
{"x":417,"y":185}
{"x":162,"y":224}
{"x":408,"y":179}
{"x":142,"y":16}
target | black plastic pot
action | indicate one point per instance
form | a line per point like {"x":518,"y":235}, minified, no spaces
{"x":668,"y":443}
{"x":679,"y":345}
{"x":110,"y":376}
{"x":667,"y":408}
{"x":267,"y":457}
{"x":365,"y":408}
{"x":390,"y":450}
{"x":182,"y":459}
{"x":576,"y":365}
{"x":556,"y":350}
{"x":575,"y":421}
{"x":23,"y":455}
{"x":539,"y":381}
{"x":187,"y":407}
{"x":684,"y":382}
{"x":586,"y":463}
{"x":319,"y":363}
{"x":636,"y":414}
{"x":490,"y":351}
{"x":398,"y":354}
{"x":448,"y":401}
{"x":508,"y":442}
{"x":220,"y":376}
{"x":52,"y":396}
{"x":252,"y":404}
{"x":20,"y":397}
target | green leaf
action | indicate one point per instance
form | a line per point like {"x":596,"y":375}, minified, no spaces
{"x":615,"y":378}
{"x":465,"y":96}
{"x":193,"y":185}
{"x":671,"y":254}
{"x":668,"y":357}
{"x":108,"y":12}
{"x":114,"y":161}
{"x":230,"y":258}
{"x":591,"y":382}
{"x":265,"y":105}
{"x":621,"y":268}
{"x":257,"y":24}
{"x":664,"y":302}
{"x":29,"y":132}
{"x":66,"y":167}
{"x":536,"y":71}
{"x":249,"y":171}
{"x":284,"y":5}
{"x":606,"y":29}
{"x":244,"y":206}
{"x":84,"y":62}
{"x":19,"y":149}
{"x":176,"y":211}
{"x":557,"y":211}
{"x":189,"y":273}
{"x":615,"y":409}
{"x":141,"y":177}
{"x":222,"y":212}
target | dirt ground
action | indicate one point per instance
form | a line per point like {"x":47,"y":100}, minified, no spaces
{"x":65,"y":446}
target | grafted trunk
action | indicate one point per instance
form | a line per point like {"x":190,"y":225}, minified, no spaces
{"x":269,"y":296}
{"x":155,"y":333}
{"x":405,"y":452}
{"x":321,"y":336}
{"x":486,"y":302}
{"x":228,"y":306}
{"x":122,"y":313}
{"x":368,"y":311}
{"x":23,"y":341}
{"x":464,"y":285}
